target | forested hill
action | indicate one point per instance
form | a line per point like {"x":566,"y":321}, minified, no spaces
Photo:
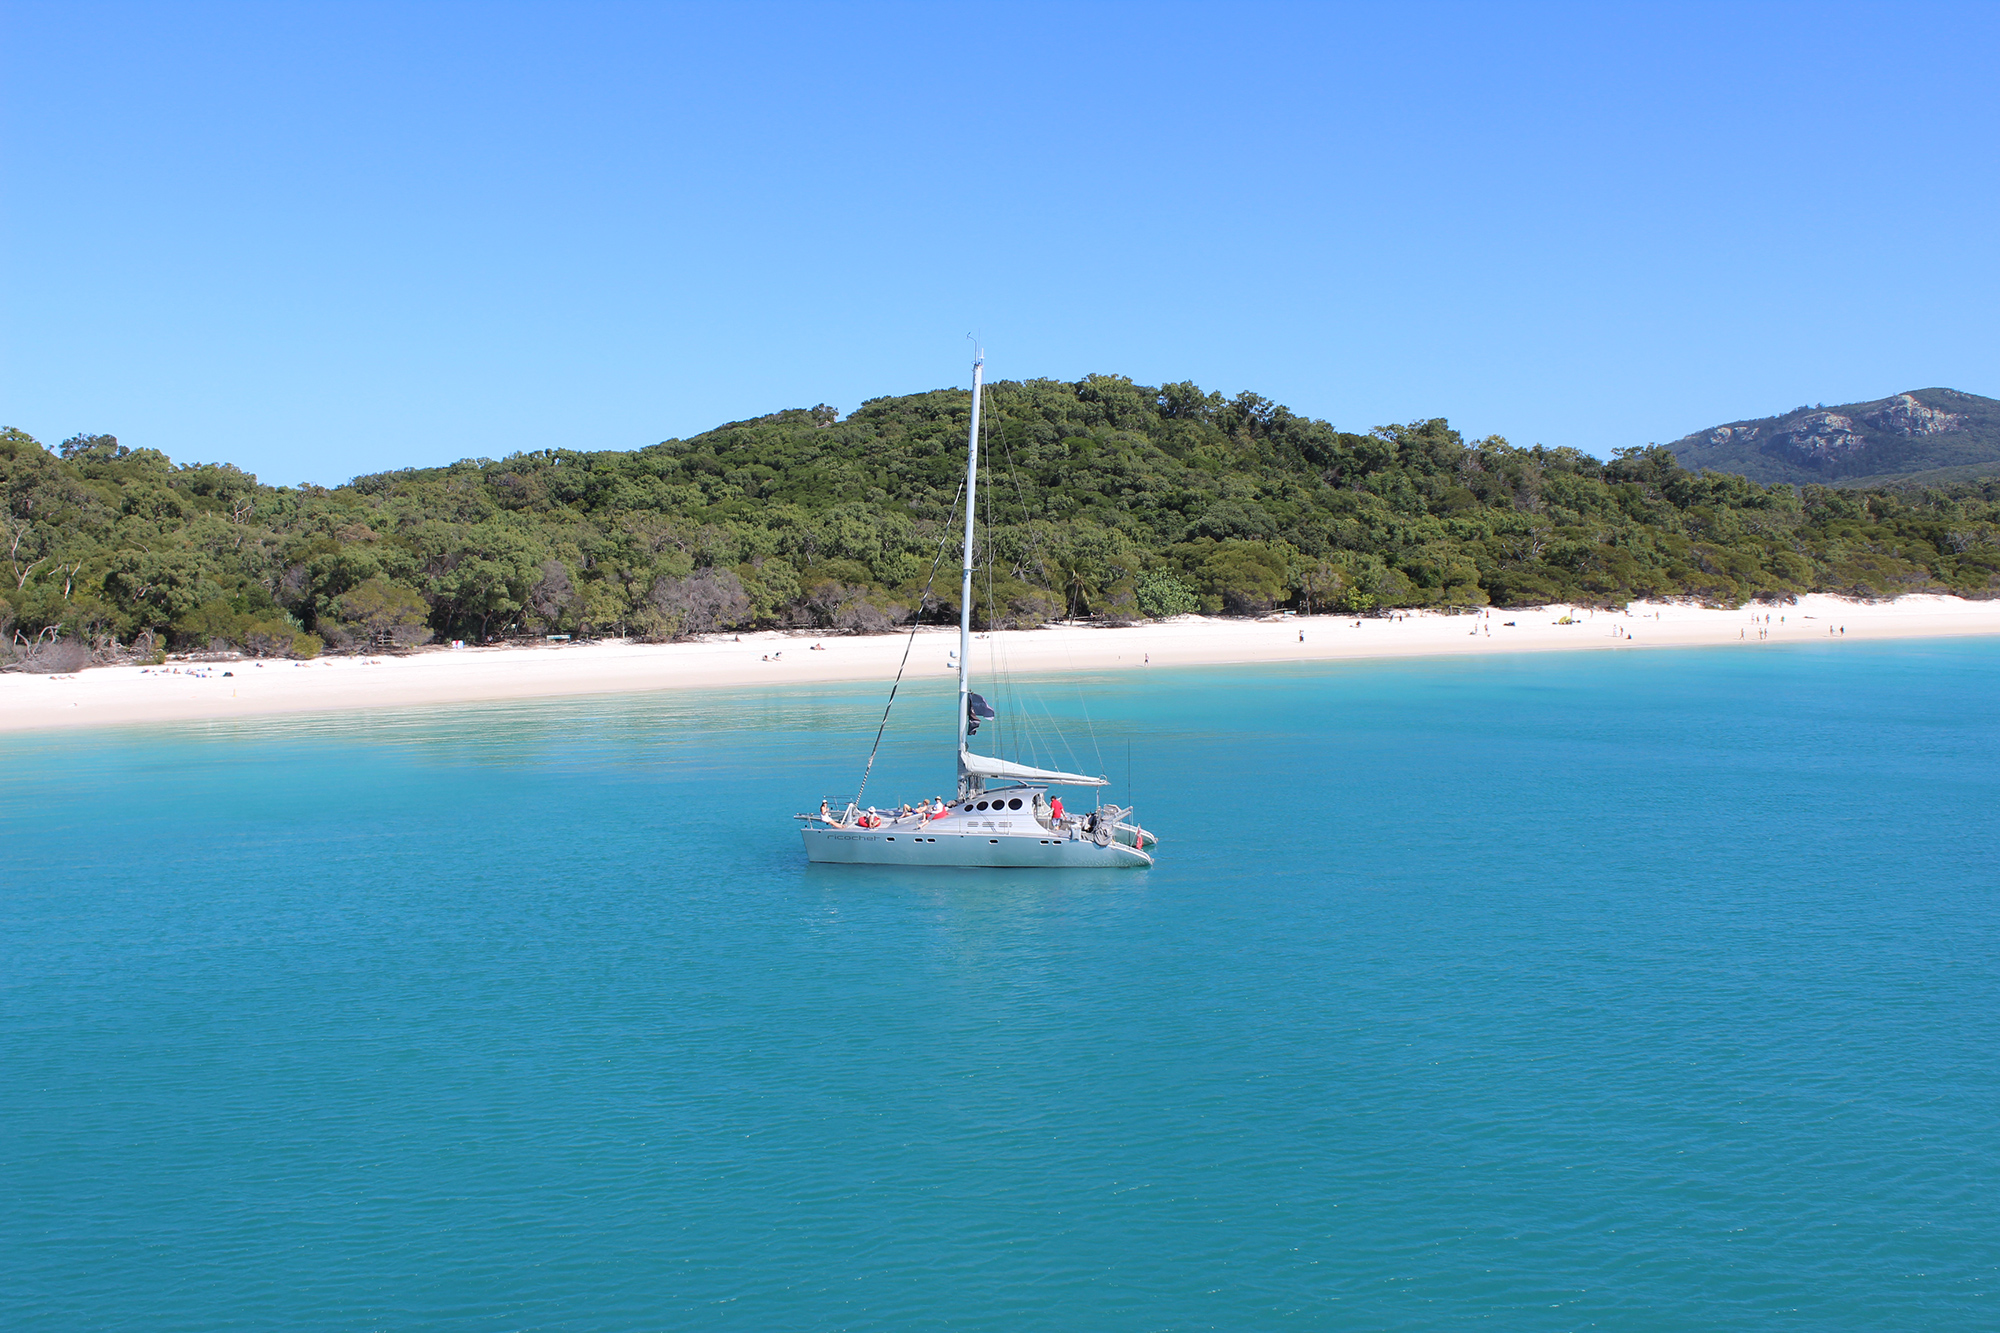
{"x":1105,"y":498}
{"x":1927,"y":435}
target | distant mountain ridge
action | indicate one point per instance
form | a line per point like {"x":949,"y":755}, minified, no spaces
{"x":1927,"y":435}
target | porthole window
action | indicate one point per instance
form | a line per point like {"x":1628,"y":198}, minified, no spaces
{"x":1014,"y":804}
{"x":982,"y":805}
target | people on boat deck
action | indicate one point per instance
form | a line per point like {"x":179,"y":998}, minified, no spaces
{"x":1056,"y":810}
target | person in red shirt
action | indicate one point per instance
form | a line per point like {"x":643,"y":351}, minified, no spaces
{"x":1056,"y":810}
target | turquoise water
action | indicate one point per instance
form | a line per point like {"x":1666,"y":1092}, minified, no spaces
{"x":1643,"y":991}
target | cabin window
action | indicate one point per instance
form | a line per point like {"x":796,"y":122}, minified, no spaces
{"x":1014,"y":804}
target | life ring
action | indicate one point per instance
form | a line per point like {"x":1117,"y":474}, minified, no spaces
{"x":1103,"y":836}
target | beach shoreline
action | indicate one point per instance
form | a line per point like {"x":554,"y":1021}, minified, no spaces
{"x":196,"y":691}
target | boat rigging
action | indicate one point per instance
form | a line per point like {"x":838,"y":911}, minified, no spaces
{"x":1003,"y":813}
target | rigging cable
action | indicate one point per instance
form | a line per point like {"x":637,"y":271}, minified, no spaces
{"x":1002,"y":730}
{"x":1042,"y":557}
{"x":916,"y":622}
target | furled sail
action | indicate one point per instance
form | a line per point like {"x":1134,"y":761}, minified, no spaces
{"x":985,"y":766}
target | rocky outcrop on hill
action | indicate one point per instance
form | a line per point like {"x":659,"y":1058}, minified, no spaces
{"x":1921,"y":431}
{"x":1819,"y":436}
{"x":1906,"y":416}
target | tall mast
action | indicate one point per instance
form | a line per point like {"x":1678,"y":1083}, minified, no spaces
{"x":965,"y":589}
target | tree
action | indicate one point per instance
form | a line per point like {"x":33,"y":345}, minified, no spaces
{"x":702,"y":603}
{"x":1161,"y":595}
{"x":93,"y":448}
{"x":1243,"y":578}
{"x":378,"y":609}
{"x":553,"y":597}
{"x":1318,"y":582}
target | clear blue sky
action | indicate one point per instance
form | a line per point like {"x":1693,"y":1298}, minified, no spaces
{"x":320,"y":240}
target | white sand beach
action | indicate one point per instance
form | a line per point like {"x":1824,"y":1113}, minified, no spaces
{"x":189,"y":691}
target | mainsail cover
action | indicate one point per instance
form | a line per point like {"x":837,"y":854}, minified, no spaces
{"x":985,"y":766}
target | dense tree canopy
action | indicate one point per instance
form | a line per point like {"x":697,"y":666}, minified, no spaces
{"x":1101,"y":498}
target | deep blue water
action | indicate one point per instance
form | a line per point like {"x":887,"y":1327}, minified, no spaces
{"x":1655,"y":990}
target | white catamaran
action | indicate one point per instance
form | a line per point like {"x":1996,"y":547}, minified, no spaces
{"x":1003,"y":814}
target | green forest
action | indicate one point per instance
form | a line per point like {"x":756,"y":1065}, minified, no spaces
{"x":1100,"y":498}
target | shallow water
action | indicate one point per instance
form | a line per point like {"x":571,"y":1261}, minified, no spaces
{"x":1651,"y":990}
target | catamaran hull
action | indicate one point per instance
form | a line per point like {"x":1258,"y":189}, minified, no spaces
{"x":879,"y":847}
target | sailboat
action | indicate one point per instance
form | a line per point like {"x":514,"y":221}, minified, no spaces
{"x":1003,"y":813}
